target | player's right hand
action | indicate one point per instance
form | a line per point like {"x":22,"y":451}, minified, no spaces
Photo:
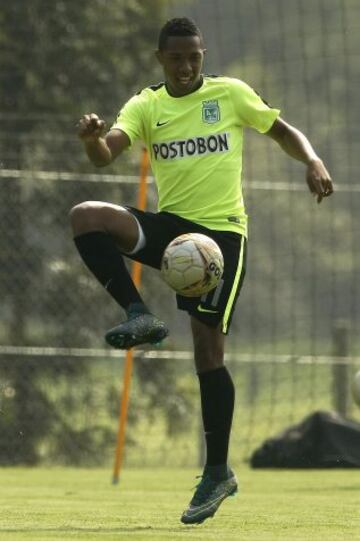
{"x":90,"y":127}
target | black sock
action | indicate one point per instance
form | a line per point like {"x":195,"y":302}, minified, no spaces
{"x":217,"y":404}
{"x":101,"y":255}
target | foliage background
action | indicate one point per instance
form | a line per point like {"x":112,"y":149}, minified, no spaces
{"x":303,"y":271}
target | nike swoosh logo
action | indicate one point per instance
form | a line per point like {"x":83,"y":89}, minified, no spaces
{"x":161,"y":123}
{"x":193,"y":511}
{"x":201,"y":309}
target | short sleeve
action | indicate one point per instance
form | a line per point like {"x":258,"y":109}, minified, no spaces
{"x":130,"y":119}
{"x":250,"y":109}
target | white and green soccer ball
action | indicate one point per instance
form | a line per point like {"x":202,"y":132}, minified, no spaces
{"x":192,"y":264}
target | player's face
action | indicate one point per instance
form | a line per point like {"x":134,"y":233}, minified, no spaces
{"x":182,"y":60}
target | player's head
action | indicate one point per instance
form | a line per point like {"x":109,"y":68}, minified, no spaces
{"x":178,"y":27}
{"x":181,"y":54}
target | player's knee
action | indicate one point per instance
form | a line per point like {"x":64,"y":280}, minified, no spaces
{"x":207,"y":356}
{"x":85,"y":217}
{"x":207,"y":363}
{"x":208,"y":346}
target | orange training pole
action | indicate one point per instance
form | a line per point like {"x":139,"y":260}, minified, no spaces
{"x":136,"y":276}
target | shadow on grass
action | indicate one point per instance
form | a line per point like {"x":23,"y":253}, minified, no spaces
{"x":99,"y":530}
{"x":350,"y":488}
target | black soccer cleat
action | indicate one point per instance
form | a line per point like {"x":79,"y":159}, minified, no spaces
{"x":209,"y":495}
{"x":138,"y":329}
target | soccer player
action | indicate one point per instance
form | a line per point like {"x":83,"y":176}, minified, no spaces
{"x":192,"y":125}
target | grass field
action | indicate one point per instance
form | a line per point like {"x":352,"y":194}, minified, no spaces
{"x":66,"y":504}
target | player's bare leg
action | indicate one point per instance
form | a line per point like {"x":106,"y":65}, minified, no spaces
{"x":209,"y":345}
{"x":112,"y":219}
{"x":217,"y":401}
{"x":101,"y":232}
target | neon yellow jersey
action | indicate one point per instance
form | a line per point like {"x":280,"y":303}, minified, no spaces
{"x":195,"y":144}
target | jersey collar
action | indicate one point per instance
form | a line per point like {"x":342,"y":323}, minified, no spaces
{"x":185,"y":95}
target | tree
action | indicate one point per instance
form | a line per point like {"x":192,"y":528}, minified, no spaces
{"x":75,"y":57}
{"x":58,"y":62}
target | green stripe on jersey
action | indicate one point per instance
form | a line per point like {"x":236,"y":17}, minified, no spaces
{"x":195,"y":144}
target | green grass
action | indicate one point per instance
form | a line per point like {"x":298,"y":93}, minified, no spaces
{"x":66,"y":504}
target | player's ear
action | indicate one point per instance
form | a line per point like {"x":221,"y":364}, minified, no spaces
{"x":159,"y":56}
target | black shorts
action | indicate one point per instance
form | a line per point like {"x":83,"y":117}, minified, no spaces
{"x":218,"y":305}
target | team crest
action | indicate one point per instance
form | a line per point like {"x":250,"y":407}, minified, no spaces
{"x":211,"y":111}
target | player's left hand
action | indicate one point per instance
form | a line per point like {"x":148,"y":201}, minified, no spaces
{"x":319,"y":180}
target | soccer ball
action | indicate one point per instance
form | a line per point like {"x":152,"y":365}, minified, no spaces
{"x":192,"y":264}
{"x":355,"y":388}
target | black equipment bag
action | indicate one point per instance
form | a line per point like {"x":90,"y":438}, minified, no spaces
{"x":321,"y":440}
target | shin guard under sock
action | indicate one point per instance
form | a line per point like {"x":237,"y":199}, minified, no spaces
{"x":217,"y":404}
{"x":104,"y":259}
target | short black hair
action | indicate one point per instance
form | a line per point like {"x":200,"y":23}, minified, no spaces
{"x":180,"y":26}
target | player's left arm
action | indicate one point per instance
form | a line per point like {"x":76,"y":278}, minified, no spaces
{"x":296,"y":145}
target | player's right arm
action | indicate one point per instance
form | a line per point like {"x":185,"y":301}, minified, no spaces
{"x":101,"y":149}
